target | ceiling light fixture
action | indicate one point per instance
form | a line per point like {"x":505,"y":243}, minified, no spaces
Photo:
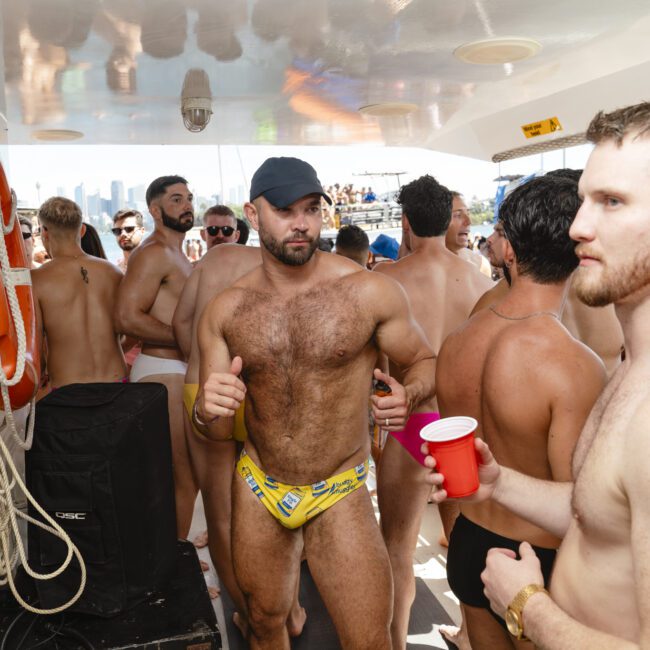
{"x":496,"y":51}
{"x":196,"y":100}
{"x":56,"y":135}
{"x":388,"y":109}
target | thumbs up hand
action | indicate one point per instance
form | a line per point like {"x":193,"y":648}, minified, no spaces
{"x":223,"y":392}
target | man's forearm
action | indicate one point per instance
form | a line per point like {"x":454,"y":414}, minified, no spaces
{"x":218,"y":430}
{"x":546,"y":504}
{"x":419,"y":382}
{"x":550,"y":628}
{"x":184,"y":340}
{"x":148,"y":329}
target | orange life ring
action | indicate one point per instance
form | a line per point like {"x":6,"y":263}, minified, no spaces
{"x":21,"y":393}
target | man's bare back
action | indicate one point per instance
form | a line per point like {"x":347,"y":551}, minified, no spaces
{"x":75,"y":295}
{"x":530,"y":376}
{"x":76,"y":301}
{"x":442,"y":290}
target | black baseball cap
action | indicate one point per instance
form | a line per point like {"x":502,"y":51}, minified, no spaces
{"x":281,"y":181}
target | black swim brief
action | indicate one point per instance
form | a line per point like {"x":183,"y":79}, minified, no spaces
{"x":469,"y":544}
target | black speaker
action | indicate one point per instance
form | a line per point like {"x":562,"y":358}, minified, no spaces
{"x":101,"y":466}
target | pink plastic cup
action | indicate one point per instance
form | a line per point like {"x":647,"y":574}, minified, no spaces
{"x":451,"y":443}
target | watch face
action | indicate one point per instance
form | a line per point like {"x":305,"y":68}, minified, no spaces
{"x":513,"y":623}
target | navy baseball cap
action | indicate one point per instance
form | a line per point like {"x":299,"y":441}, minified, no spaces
{"x":385,"y":246}
{"x":281,"y":181}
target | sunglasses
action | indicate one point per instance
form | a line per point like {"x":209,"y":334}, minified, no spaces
{"x":127,"y":229}
{"x":27,"y":235}
{"x":226,"y":230}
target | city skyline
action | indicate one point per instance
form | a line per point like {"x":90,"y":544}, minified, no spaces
{"x":37,"y":172}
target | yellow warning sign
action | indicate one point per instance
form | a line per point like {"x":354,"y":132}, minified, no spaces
{"x":543,"y":127}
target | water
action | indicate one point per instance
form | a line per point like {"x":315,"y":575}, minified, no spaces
{"x":114,"y":253}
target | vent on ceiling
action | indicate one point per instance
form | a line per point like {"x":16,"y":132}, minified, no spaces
{"x":495,"y":51}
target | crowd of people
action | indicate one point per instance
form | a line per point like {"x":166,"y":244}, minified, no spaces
{"x":349,"y":195}
{"x":269,"y":356}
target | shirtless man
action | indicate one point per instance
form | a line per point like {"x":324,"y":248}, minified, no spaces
{"x":213,"y":461}
{"x":148,"y":296}
{"x":597,"y":327}
{"x":518,"y":348}
{"x":75,"y":296}
{"x":304,"y":331}
{"x":128,"y":227}
{"x":28,"y":240}
{"x":457,"y":236}
{"x":219,"y":226}
{"x":599,"y":593}
{"x":442,"y":289}
{"x":352,"y":242}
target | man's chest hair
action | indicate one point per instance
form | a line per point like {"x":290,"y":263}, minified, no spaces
{"x":325,"y":326}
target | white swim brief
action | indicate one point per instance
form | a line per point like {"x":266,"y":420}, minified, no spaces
{"x":146,"y":365}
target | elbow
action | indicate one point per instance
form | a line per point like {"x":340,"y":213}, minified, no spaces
{"x":179,"y":326}
{"x":122,"y":322}
{"x":119,"y":323}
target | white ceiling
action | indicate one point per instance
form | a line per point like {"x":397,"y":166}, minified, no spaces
{"x":297,"y":71}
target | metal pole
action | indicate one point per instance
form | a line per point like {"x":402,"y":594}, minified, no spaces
{"x":223,"y":198}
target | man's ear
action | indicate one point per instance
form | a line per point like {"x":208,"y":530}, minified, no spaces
{"x":251,"y":214}
{"x":82,"y":232}
{"x":154,"y":210}
{"x":508,"y":254}
{"x":237,"y":233}
{"x":406,"y":226}
{"x":203,"y":235}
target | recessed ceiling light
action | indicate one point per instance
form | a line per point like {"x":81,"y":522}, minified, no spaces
{"x":388,"y":109}
{"x":496,"y":51}
{"x":56,"y":135}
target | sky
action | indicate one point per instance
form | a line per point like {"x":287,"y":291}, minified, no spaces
{"x":211,"y":169}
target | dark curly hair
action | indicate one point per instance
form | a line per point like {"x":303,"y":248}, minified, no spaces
{"x":565,"y":172}
{"x":427,"y":206}
{"x":536,"y":218}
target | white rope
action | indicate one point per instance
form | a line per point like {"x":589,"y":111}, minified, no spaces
{"x":8,"y":280}
{"x":11,"y":546}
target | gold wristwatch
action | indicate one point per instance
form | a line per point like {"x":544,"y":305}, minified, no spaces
{"x":514,"y":613}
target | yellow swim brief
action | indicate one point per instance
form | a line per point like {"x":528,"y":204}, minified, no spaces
{"x":189,"y":395}
{"x":294,"y":505}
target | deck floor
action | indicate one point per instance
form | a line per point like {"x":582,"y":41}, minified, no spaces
{"x":429,"y":564}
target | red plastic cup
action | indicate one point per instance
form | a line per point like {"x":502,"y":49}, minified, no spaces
{"x":451,"y":443}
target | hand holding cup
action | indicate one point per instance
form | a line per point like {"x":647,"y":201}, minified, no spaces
{"x":489,"y":472}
